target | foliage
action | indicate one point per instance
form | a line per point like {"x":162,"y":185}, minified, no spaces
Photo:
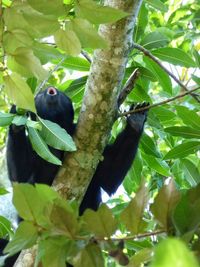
{"x":169,"y":146}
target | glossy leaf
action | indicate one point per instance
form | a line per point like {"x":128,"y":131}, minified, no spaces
{"x":148,"y":146}
{"x":183,"y":131}
{"x":192,"y":173}
{"x":188,"y":116}
{"x":154,"y":40}
{"x":56,"y":136}
{"x":157,"y":164}
{"x":174,"y":56}
{"x":157,"y":4}
{"x":183,"y":150}
{"x":161,"y":75}
{"x":41,"y":147}
{"x":76,"y":63}
{"x":6,"y":119}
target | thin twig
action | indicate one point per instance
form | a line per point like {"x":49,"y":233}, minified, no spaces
{"x":148,"y":54}
{"x":133,"y":237}
{"x":159,"y":103}
{"x":140,"y":236}
{"x":86,"y":56}
{"x":42,"y":84}
{"x":128,"y":87}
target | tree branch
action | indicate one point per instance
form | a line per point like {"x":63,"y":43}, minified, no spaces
{"x":128,"y":87}
{"x":159,"y":103}
{"x":148,"y":54}
{"x":86,"y":56}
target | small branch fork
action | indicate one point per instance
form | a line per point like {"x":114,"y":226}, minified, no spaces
{"x":148,"y":54}
{"x":159,"y":103}
{"x":129,"y":86}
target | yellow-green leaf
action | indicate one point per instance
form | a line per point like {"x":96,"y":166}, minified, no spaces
{"x":87,"y":34}
{"x":98,"y":14}
{"x":26,"y":58}
{"x":68,"y":41}
{"x":19,"y":92}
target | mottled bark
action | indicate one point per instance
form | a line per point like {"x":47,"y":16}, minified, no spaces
{"x":99,"y":104}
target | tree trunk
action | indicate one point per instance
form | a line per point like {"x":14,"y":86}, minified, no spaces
{"x":99,"y":104}
{"x":98,"y":109}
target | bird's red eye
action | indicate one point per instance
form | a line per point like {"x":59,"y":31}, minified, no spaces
{"x":51,"y":91}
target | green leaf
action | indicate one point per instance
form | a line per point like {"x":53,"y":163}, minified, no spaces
{"x":56,"y":136}
{"x":174,"y":56}
{"x":6,"y":119}
{"x":3,"y":191}
{"x":34,"y":124}
{"x":157,"y":4}
{"x":25,"y":237}
{"x":157,"y":164}
{"x":173,"y":252}
{"x":68,"y":41}
{"x":75,"y":86}
{"x":196,"y":79}
{"x":183,"y":150}
{"x":87,"y":34}
{"x":15,"y":39}
{"x":186,"y":215}
{"x":100,"y":222}
{"x":41,"y":148}
{"x":5,"y":227}
{"x":197,"y":57}
{"x":90,"y":256}
{"x":47,"y":53}
{"x":55,"y":8}
{"x":98,"y":14}
{"x":164,"y":114}
{"x":140,"y":257}
{"x":191,"y":172}
{"x":19,"y":120}
{"x":183,"y":131}
{"x":41,"y":25}
{"x":19,"y":92}
{"x":64,"y":220}
{"x":133,"y":213}
{"x":164,"y":204}
{"x":25,"y":57}
{"x":52,"y":251}
{"x":26,"y":201}
{"x":142,"y":21}
{"x":154,"y":40}
{"x":161,"y":75}
{"x":189,"y":117}
{"x":76,"y":63}
{"x":148,"y":146}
